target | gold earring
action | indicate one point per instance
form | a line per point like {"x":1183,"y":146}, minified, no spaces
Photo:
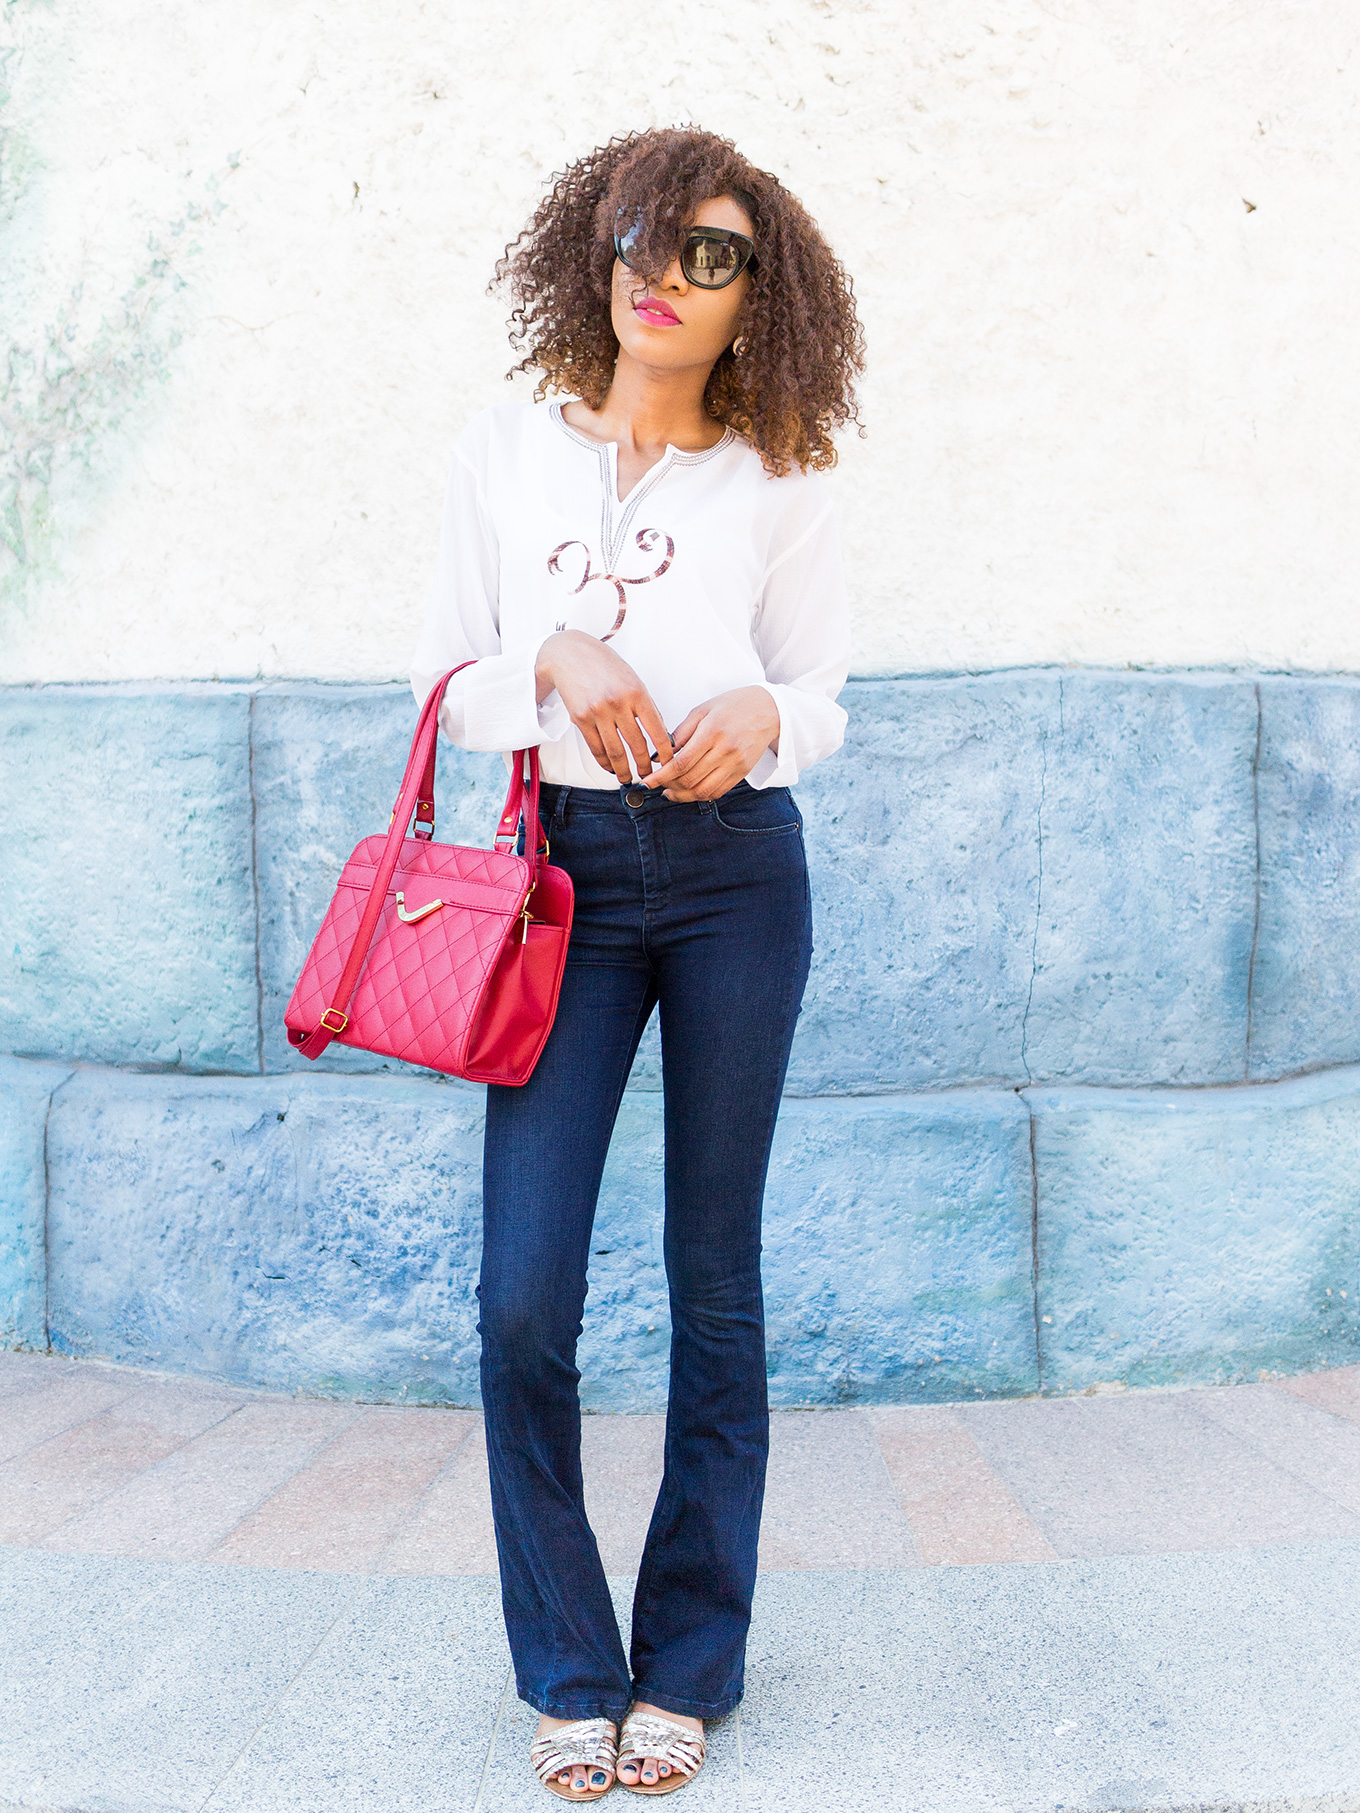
{"x":739,"y":346}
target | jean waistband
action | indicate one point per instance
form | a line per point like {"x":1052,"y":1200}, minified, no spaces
{"x":625,"y":802}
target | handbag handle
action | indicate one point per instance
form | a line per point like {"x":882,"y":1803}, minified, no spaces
{"x":417,"y":793}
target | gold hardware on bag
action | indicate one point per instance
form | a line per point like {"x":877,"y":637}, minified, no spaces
{"x":420,"y":912}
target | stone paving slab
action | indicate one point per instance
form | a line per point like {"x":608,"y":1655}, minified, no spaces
{"x":108,"y":1460}
{"x":1166,"y":1682}
{"x":132,"y":1686}
{"x":393,"y":1710}
{"x":958,"y":1508}
{"x":340,"y":1512}
{"x":183,"y":1508}
{"x":1145,"y":1473}
{"x":63,"y":1477}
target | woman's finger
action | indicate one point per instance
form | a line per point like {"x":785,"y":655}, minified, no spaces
{"x":593,"y":740}
{"x":678,"y":770}
{"x":650,"y":719}
{"x":708,"y":781}
{"x":636,"y":738}
{"x":616,"y":754}
{"x":678,"y":739}
{"x":707,"y":765}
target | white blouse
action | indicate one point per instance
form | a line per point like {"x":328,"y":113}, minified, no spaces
{"x":721,"y":576}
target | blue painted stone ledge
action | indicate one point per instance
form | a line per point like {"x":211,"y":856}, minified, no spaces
{"x":1197,"y":1234}
{"x":321,"y":1234}
{"x":1084,"y":877}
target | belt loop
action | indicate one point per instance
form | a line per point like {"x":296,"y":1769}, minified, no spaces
{"x":559,"y":817}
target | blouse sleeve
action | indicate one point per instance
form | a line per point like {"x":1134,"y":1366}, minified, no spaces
{"x":492,"y":705}
{"x":802,"y":636}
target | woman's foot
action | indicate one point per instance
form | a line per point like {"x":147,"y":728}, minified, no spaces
{"x":649,"y":1771}
{"x":581,"y":1781}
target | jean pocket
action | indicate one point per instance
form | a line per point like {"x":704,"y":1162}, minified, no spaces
{"x":751,"y":813}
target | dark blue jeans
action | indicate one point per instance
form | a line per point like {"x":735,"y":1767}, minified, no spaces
{"x":703,"y":909}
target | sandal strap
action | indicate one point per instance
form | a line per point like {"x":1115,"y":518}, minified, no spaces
{"x":586,"y":1741}
{"x":644,"y":1734}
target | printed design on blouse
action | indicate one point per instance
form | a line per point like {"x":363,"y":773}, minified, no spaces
{"x":646,"y":540}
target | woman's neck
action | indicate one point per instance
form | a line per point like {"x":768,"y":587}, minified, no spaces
{"x":646,"y":410}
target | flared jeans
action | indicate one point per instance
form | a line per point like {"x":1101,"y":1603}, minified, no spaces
{"x":700,"y":909}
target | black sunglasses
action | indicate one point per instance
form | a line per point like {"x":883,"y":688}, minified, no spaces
{"x":711,"y":257}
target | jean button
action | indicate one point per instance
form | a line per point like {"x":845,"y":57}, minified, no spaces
{"x":635,"y":796}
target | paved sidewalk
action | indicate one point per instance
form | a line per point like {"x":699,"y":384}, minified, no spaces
{"x":212,"y":1599}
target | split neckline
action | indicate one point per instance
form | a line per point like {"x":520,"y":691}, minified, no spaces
{"x":607,"y":452}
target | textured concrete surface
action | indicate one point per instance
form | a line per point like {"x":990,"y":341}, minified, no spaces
{"x":1147,"y":897}
{"x":1197,"y":1234}
{"x":316,"y":1231}
{"x":1110,"y":1604}
{"x":897,"y":1256}
{"x":126,"y":887}
{"x":25,"y":1092}
{"x":923,"y":845}
{"x":246,"y":247}
{"x":1017,"y":877}
{"x":1305,"y":1005}
{"x":323,"y":1233}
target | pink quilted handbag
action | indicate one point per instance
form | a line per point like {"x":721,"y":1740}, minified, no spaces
{"x":436,"y":954}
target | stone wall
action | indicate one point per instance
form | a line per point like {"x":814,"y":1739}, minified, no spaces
{"x":1075,"y":1096}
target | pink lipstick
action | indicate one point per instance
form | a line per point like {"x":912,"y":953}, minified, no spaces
{"x":656,"y":313}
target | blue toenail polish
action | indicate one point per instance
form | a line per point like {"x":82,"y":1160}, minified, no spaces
{"x":598,"y":1778}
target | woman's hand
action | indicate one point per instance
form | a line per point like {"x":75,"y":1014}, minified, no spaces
{"x":608,"y":704}
{"x":719,"y":744}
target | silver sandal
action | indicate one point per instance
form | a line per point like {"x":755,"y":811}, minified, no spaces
{"x":645,"y":1734}
{"x":587,"y":1741}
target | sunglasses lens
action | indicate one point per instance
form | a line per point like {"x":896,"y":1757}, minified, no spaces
{"x":710,"y":262}
{"x":626,"y":240}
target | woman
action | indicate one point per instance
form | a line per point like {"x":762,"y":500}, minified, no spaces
{"x":650,"y":580}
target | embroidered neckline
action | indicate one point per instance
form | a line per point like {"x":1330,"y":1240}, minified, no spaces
{"x":675,"y":456}
{"x":616,"y":517}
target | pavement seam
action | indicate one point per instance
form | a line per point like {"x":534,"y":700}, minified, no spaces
{"x":362,"y":1582}
{"x":65,"y":1429}
{"x":141,"y":1473}
{"x":490,"y":1756}
{"x":893,"y":1490}
{"x":415,"y":1509}
{"x":281,"y":1486}
{"x":1253,"y":1446}
{"x":743,"y":1800}
{"x":1349,"y":1417}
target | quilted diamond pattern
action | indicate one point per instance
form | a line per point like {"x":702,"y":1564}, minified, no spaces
{"x":421,"y":984}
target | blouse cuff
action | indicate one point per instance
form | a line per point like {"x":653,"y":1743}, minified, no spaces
{"x":776,"y":768}
{"x":500,"y":708}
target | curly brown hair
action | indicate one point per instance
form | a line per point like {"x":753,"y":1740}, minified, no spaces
{"x":802,"y":345}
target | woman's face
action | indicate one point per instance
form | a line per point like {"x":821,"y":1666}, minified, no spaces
{"x":670,"y":323}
